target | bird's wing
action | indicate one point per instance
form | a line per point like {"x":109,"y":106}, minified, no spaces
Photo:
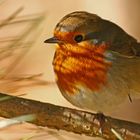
{"x":128,"y":48}
{"x":121,"y":41}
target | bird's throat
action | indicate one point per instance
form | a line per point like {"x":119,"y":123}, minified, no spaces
{"x":77,"y":65}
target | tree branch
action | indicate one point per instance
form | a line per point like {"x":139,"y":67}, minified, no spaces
{"x":73,"y":120}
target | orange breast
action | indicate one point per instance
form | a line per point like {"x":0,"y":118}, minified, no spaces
{"x":82,"y":64}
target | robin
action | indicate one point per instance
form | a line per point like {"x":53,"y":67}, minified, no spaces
{"x":97,"y":64}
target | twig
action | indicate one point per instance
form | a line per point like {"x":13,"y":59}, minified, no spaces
{"x":11,"y":17}
{"x":73,"y":120}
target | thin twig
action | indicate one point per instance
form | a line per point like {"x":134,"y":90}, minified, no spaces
{"x":11,"y":17}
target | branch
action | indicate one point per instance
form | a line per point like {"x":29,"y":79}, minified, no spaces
{"x":72,"y":120}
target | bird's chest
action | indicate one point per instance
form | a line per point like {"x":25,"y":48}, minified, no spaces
{"x":73,"y":70}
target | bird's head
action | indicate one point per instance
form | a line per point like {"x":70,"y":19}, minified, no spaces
{"x":77,"y":29}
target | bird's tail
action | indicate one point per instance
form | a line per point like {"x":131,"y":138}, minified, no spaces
{"x":136,"y":68}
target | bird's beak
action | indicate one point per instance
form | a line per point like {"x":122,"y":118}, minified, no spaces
{"x":52,"y":40}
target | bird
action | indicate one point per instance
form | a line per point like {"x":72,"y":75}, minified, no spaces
{"x":96,"y":62}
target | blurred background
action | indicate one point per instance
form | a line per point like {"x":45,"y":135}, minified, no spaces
{"x":26,"y":62}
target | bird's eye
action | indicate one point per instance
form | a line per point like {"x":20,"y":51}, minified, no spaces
{"x":78,"y":38}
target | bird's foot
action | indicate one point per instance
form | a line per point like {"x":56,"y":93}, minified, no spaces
{"x":101,"y":120}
